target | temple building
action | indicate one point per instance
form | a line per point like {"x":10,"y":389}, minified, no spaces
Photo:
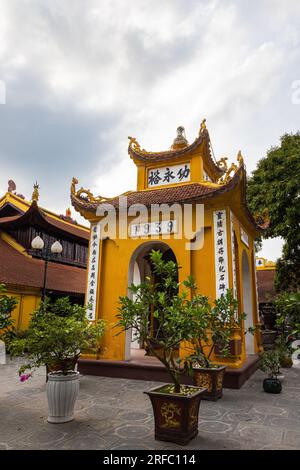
{"x":219,"y":253}
{"x":22,"y":269}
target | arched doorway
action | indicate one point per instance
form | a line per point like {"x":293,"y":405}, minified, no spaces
{"x":247,"y":303}
{"x":139,"y":270}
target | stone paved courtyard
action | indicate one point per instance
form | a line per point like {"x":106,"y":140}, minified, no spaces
{"x":115,"y":414}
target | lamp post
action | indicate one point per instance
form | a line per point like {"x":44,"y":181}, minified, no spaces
{"x":55,"y":249}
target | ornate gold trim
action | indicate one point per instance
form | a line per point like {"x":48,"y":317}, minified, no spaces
{"x":219,"y":384}
{"x":193,"y":415}
{"x":231,"y":170}
{"x":168,"y":410}
{"x":85,"y":194}
{"x":35,"y":194}
{"x":202,"y":126}
{"x":203,"y":379}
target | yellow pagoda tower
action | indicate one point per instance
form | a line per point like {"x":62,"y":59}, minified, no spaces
{"x":181,"y":186}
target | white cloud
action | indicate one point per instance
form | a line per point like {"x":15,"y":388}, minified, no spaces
{"x":141,"y":68}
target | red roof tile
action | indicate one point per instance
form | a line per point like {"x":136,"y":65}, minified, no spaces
{"x":183,"y":193}
{"x":20,"y":270}
{"x":37,"y":215}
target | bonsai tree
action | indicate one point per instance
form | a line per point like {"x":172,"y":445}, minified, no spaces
{"x":7,"y":305}
{"x":57,"y":334}
{"x":270,"y":363}
{"x":178,"y":314}
{"x":215,"y":329}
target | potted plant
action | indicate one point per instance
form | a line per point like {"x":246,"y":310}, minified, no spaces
{"x":175,"y":406}
{"x":269,"y":363}
{"x":7,"y":305}
{"x":283,"y":345}
{"x":58,"y":332}
{"x":212,"y":337}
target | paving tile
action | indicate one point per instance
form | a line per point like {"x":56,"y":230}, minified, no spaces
{"x":114,"y":413}
{"x":292,"y":438}
{"x":283,"y":423}
{"x":258,"y":433}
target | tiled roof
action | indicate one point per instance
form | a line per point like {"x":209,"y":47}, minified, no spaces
{"x":20,"y":270}
{"x":167,"y":155}
{"x":167,"y":195}
{"x":23,"y":206}
{"x":183,"y":193}
{"x":35,"y":214}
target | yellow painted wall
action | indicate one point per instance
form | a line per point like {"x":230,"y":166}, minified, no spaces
{"x":115,"y":256}
{"x":194,"y":158}
{"x":114,"y":270}
{"x":27,"y":303}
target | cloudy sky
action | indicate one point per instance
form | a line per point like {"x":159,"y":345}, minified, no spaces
{"x":82,"y":75}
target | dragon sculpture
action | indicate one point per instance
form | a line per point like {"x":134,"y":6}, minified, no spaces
{"x":84,"y":194}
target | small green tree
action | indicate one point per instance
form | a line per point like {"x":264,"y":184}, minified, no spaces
{"x":220,"y":323}
{"x":288,"y":322}
{"x":270,"y":363}
{"x":56,"y":335}
{"x":7,"y":306}
{"x":182,"y":316}
{"x":274,"y":186}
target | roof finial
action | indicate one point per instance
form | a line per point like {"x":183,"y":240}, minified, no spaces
{"x":180,"y":141}
{"x":35,"y":194}
{"x":11,"y":186}
{"x":202,"y":126}
{"x":240,"y":158}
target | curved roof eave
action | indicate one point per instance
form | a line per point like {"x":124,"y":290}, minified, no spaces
{"x":167,"y":155}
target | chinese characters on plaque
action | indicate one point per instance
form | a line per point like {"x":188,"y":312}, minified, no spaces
{"x":169,"y":174}
{"x":221,"y":258}
{"x":91,"y":297}
{"x":234,"y":288}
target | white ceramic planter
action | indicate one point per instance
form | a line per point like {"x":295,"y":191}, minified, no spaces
{"x":62,"y":391}
{"x":2,"y":353}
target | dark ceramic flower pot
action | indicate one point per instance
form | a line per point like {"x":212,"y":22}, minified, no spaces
{"x":272,"y":385}
{"x":175,"y":416}
{"x":211,"y":379}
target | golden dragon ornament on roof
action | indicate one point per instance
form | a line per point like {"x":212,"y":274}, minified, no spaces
{"x":84,"y":194}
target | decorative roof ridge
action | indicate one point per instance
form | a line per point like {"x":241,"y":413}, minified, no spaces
{"x":135,"y":150}
{"x":174,"y":185}
{"x":8,"y":195}
{"x":52,"y":215}
{"x":83,"y":204}
{"x":35,"y":211}
{"x":89,"y":203}
{"x":137,"y":153}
